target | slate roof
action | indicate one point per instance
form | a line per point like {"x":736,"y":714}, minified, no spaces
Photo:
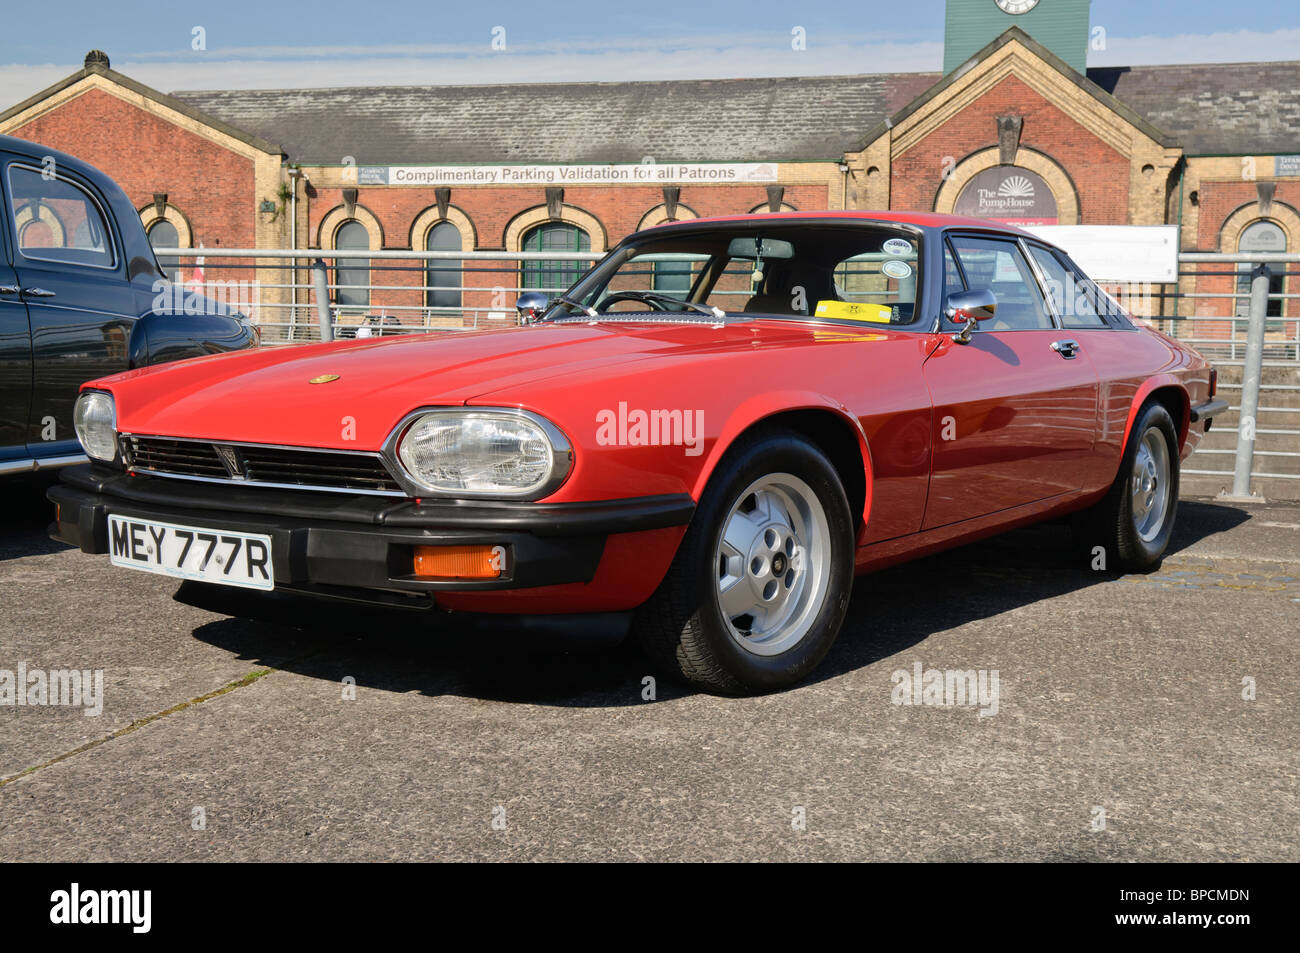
{"x":748,"y":120}
{"x":1228,"y":108}
{"x":1215,"y":108}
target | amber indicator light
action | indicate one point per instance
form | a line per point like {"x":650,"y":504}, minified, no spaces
{"x":459,"y":562}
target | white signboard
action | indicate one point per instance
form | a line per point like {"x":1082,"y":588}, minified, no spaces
{"x":1118,"y":253}
{"x":611,"y":174}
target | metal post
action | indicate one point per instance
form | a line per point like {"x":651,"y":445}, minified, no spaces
{"x":321,"y":280}
{"x":1251,"y":373}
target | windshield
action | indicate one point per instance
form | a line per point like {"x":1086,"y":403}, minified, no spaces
{"x":828,"y":272}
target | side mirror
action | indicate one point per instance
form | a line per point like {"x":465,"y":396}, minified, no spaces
{"x":970,"y":307}
{"x":530,"y":306}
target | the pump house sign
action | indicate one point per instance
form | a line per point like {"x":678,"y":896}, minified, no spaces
{"x":1008,"y":193}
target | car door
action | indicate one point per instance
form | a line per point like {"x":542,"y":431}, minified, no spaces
{"x":71,"y":272}
{"x":1015,"y":410}
{"x":15,"y":364}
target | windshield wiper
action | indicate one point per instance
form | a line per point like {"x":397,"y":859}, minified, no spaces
{"x":589,"y":312}
{"x":654,"y":297}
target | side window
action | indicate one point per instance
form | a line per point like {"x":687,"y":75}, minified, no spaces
{"x":57,"y":220}
{"x":1072,"y":299}
{"x":952,"y":283}
{"x":998,"y":265}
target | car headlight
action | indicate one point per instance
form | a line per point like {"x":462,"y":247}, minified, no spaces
{"x":502,"y":453}
{"x":95,"y":421}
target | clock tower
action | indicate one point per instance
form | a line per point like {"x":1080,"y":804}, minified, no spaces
{"x":1059,"y":25}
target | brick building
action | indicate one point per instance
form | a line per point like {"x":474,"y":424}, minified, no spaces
{"x":1012,"y":131}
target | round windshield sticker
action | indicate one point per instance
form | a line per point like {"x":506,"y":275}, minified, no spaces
{"x":897,"y":246}
{"x":896,"y":269}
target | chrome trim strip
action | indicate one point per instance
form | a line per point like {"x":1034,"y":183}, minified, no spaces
{"x":229,"y":481}
{"x":243,"y":443}
{"x":307,"y":487}
{"x":32,"y":464}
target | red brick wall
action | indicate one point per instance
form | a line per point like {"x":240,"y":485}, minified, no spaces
{"x":212,"y":186}
{"x":1100,"y":173}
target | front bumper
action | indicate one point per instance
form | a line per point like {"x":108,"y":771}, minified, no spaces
{"x":333,"y":542}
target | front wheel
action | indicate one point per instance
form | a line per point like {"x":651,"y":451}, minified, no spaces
{"x":760,"y":585}
{"x":1134,"y":521}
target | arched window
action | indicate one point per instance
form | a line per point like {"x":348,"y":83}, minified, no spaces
{"x":352,"y":275}
{"x":443,"y":275}
{"x":163,"y":234}
{"x":554,"y":276}
{"x":1261,"y":236}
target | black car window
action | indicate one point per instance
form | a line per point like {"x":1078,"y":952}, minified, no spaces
{"x":998,"y":265}
{"x":57,"y":220}
{"x":1072,"y":300}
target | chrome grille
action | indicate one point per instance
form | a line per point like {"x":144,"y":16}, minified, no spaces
{"x":180,"y":457}
{"x":337,"y":471}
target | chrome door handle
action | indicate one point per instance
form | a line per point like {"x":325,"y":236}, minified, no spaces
{"x":37,"y":293}
{"x":9,"y":289}
{"x":1067,"y":349}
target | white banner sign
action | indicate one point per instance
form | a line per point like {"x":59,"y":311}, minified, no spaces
{"x":640,"y":173}
{"x":1118,"y":253}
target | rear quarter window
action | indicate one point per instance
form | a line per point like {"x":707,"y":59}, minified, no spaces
{"x":54,"y":219}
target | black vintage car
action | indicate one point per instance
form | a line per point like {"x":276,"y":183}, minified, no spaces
{"x":81,"y":296}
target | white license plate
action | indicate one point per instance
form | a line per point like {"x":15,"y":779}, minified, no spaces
{"x":191,"y":552}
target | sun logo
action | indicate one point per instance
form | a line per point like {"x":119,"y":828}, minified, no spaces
{"x":1016,"y":186}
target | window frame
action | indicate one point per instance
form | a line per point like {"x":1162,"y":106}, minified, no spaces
{"x":540,"y":264}
{"x":1084,"y":286}
{"x":926,"y":239}
{"x":1049,"y":309}
{"x":110,"y":224}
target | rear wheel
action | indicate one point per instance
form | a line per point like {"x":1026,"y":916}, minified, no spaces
{"x":1134,"y":521}
{"x":759,"y":587}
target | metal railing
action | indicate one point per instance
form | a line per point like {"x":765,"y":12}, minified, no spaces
{"x":1228,"y":307}
{"x":295,"y":297}
{"x":1220,"y":305}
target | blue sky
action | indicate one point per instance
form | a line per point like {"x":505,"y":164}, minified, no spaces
{"x":374,"y":42}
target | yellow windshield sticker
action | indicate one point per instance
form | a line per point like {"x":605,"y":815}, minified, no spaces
{"x":854,"y":311}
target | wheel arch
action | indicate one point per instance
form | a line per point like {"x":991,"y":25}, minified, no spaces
{"x":1169,"y":392}
{"x":827,"y":424}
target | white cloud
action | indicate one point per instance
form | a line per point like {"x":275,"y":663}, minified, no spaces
{"x":647,"y":57}
{"x":1239,"y":46}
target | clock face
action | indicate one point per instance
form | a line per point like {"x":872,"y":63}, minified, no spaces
{"x":1016,"y":7}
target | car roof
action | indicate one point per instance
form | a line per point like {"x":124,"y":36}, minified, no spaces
{"x":919,"y":219}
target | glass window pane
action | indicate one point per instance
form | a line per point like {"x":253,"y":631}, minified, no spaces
{"x":1072,"y":298}
{"x":163,"y":234}
{"x":354,"y":272}
{"x":1261,"y":236}
{"x":443,"y":276}
{"x":998,"y":265}
{"x":57,"y":220}
{"x":554,"y":277}
{"x":952,"y":283}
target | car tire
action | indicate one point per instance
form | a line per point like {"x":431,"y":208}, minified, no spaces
{"x":772,"y":536}
{"x":1134,"y":521}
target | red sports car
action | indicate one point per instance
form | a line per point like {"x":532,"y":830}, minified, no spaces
{"x":711,"y":432}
